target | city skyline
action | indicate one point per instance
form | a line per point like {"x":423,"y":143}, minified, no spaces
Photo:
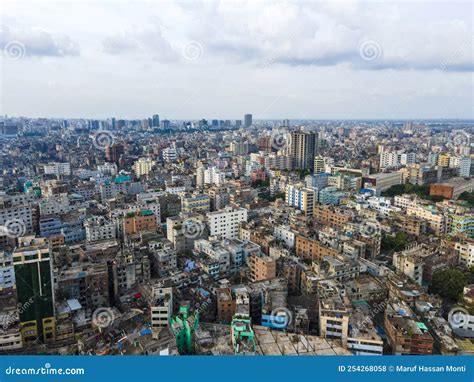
{"x":276,"y":60}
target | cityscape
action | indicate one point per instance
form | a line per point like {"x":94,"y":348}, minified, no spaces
{"x":239,"y":192}
{"x":236,"y":237}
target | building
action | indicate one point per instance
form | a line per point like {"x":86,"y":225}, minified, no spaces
{"x":436,"y":220}
{"x":239,"y":148}
{"x":170,"y":154}
{"x":383,"y":180}
{"x":312,"y":249}
{"x":301,"y":198}
{"x":319,"y":165}
{"x":156,"y":120}
{"x":225,"y":223}
{"x":333,"y":312}
{"x":452,"y":188}
{"x":396,"y":159}
{"x":7,"y":271}
{"x":331,"y":216}
{"x":406,"y":335}
{"x":16,"y":211}
{"x":98,"y":228}
{"x":225,"y":305}
{"x":410,"y":262}
{"x":248,"y":120}
{"x":261,"y":268}
{"x":195,"y":203}
{"x":212,"y":175}
{"x":363,"y":338}
{"x":160,"y":303}
{"x":114,"y":152}
{"x":58,"y":169}
{"x":138,"y":222}
{"x":465,"y":250}
{"x":465,"y":167}
{"x":302,"y":149}
{"x":143,"y":166}
{"x":32,"y":261}
{"x":219,"y":197}
{"x":285,"y":234}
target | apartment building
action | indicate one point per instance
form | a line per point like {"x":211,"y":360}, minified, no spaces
{"x":225,"y":223}
{"x":261,"y":267}
{"x":406,"y":335}
{"x":307,"y":248}
{"x":99,"y":228}
{"x":301,"y":198}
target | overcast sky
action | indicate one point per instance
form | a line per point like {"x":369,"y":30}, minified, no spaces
{"x":222,"y":59}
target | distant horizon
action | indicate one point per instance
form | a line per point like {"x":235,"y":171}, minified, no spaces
{"x":242,"y":119}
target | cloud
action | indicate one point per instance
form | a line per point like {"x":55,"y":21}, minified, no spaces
{"x":145,"y":41}
{"x":326,"y":34}
{"x":39,"y":42}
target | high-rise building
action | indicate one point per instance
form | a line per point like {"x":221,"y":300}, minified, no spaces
{"x":156,"y":120}
{"x":166,"y":124}
{"x":302,"y":149}
{"x":248,"y":120}
{"x":114,"y":152}
{"x":33,"y":274}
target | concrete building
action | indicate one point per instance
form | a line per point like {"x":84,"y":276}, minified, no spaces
{"x":333,"y":312}
{"x":301,"y":198}
{"x":225,"y":223}
{"x":406,"y":335}
{"x":261,"y":268}
{"x":32,"y":262}
{"x":302,"y":149}
{"x":98,"y":228}
{"x":58,"y":169}
{"x":143,"y":166}
{"x":410,"y":262}
{"x":160,"y":303}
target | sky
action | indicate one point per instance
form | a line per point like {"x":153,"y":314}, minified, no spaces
{"x":223,"y":59}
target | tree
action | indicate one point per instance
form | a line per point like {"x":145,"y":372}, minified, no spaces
{"x":448,"y":283}
{"x":468,"y":197}
{"x":395,"y":242}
